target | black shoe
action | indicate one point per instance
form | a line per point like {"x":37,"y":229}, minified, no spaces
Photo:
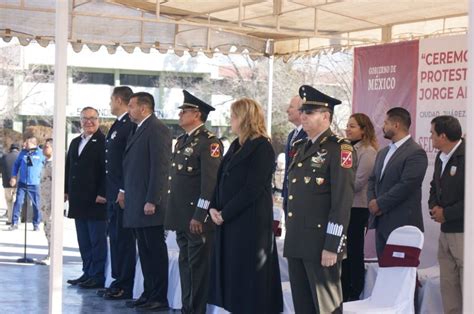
{"x":101,"y":292}
{"x":8,"y":223}
{"x":36,"y":228}
{"x":137,"y":302}
{"x":77,"y":280}
{"x":119,"y":294}
{"x":153,"y":306}
{"x":91,"y":283}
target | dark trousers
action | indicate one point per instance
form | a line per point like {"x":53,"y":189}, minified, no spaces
{"x":154,"y":261}
{"x":380,"y":242}
{"x":353,"y":270}
{"x":92,"y":241}
{"x":194,"y":262}
{"x":123,"y":252}
{"x":314,"y":288}
{"x":33,"y":194}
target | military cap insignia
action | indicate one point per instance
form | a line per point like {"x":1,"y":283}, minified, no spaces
{"x":346,"y":158}
{"x":215,"y":150}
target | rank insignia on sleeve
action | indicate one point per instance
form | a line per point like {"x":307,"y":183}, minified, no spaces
{"x":215,"y":150}
{"x":346,"y":159}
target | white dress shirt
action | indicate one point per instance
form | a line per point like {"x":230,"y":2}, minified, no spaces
{"x":84,"y":140}
{"x":445,"y":157}
{"x":392,"y":150}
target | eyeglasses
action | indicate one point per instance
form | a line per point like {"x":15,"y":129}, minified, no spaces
{"x":91,"y":119}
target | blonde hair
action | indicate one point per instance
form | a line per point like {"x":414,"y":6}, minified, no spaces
{"x":252,"y":121}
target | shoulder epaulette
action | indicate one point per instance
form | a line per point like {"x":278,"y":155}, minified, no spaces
{"x":339,"y":139}
{"x":207,"y":133}
{"x":298,"y":142}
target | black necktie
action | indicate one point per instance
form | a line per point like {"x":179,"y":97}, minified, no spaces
{"x":185,"y":137}
{"x":308,"y":145}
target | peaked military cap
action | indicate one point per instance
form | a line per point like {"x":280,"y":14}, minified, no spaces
{"x":314,"y":99}
{"x":191,"y":101}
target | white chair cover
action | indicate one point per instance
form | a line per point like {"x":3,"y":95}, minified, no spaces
{"x":394,"y":289}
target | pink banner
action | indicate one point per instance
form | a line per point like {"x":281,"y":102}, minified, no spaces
{"x":385,"y":77}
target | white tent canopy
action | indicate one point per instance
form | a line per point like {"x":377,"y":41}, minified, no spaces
{"x":257,"y":27}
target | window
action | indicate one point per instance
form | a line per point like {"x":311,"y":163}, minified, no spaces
{"x":81,"y":77}
{"x":139,"y":80}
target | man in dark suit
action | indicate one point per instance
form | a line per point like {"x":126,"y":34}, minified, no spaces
{"x":446,"y":205}
{"x":145,"y":167}
{"x":294,"y":116}
{"x":122,"y":240}
{"x":195,"y":161}
{"x":394,"y":188}
{"x":321,"y":191}
{"x":85,"y":190}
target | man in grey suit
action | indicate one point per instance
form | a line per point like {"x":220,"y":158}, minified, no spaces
{"x":145,"y":169}
{"x":394,"y":188}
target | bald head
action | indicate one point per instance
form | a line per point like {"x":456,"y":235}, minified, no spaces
{"x":294,"y":115}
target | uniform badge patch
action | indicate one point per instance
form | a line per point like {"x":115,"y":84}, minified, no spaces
{"x":215,"y":150}
{"x":188,"y":151}
{"x":453,"y":170}
{"x":180,"y":167}
{"x":346,"y":159}
{"x":319,"y":181}
{"x":307,"y":179}
{"x":114,"y":134}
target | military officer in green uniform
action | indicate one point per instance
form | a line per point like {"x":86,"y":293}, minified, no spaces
{"x":196,"y":158}
{"x":321,"y":188}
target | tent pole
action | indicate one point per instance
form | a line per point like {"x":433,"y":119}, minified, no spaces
{"x":468,"y":289}
{"x":270,"y":95}
{"x":59,"y":135}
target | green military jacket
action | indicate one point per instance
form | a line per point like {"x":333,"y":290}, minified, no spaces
{"x":192,"y":179}
{"x":320,"y":195}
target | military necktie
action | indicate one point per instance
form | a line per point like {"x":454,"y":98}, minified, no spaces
{"x":308,"y":145}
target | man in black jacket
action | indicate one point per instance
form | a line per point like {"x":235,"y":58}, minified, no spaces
{"x":85,"y":190}
{"x":446,"y":205}
{"x":122,"y":241}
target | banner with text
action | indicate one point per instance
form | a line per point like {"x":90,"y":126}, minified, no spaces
{"x":428,"y":78}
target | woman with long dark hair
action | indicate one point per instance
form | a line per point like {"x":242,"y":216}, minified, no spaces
{"x":360,"y":131}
